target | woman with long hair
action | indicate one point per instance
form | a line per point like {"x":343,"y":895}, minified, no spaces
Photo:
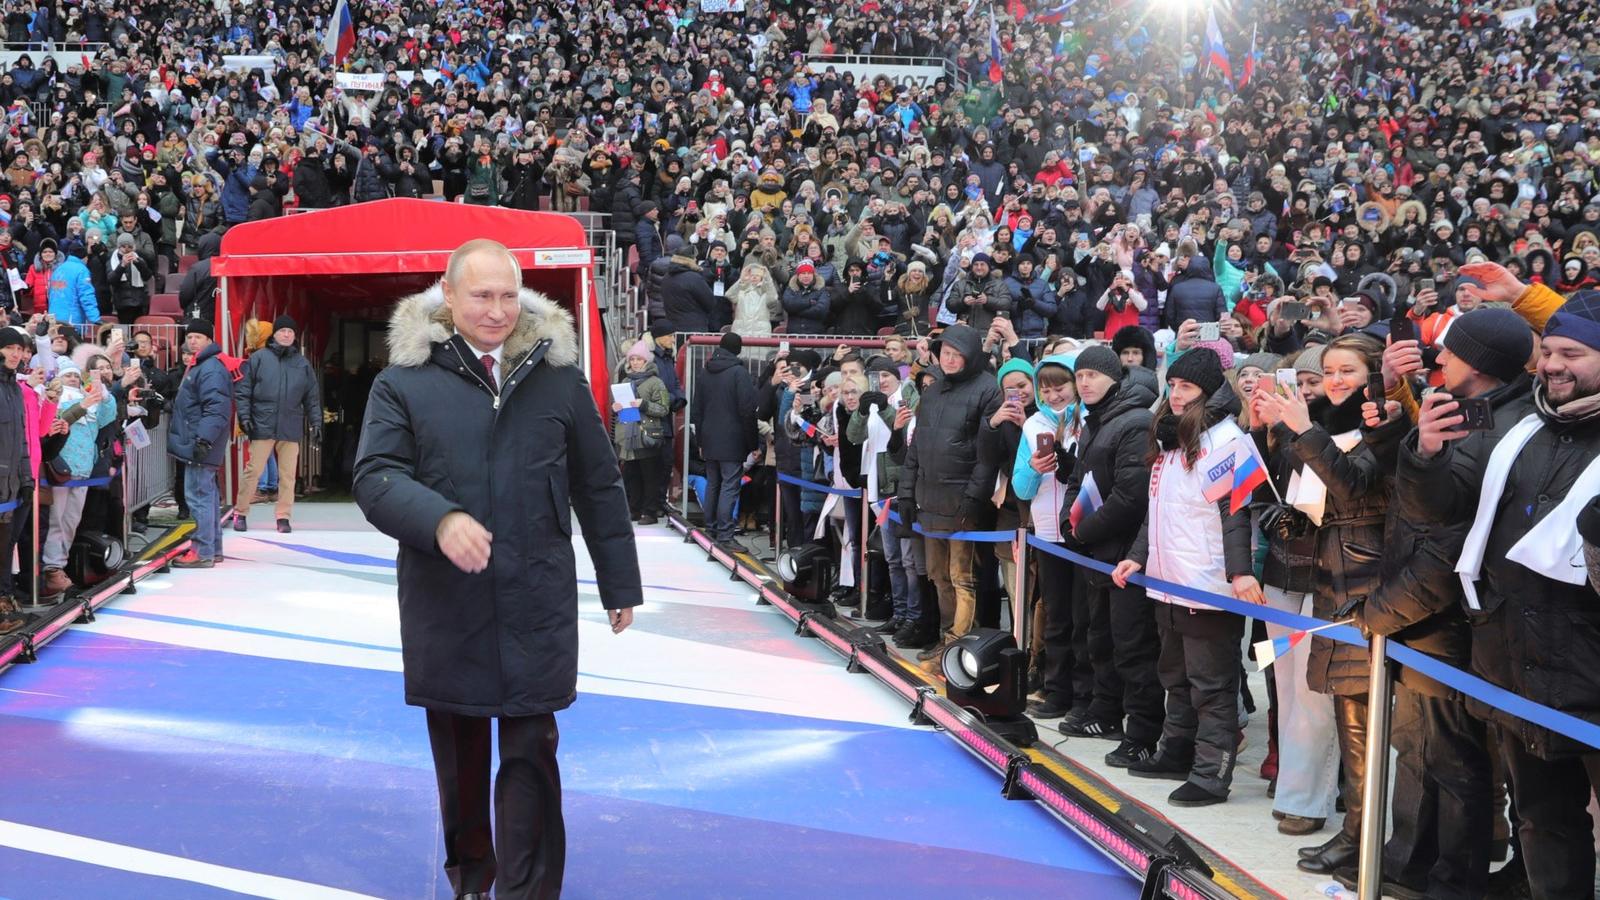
{"x":1190,"y":540}
{"x":1344,"y":490}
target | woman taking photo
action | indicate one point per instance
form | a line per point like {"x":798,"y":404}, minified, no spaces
{"x":1345,"y":493}
{"x":1187,"y":539}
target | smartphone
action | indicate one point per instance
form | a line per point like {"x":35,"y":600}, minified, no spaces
{"x":1476,"y":414}
{"x":1295,"y":311}
{"x":1424,"y":284}
{"x":1350,"y":301}
{"x":1287,"y":382}
{"x":783,"y":348}
{"x":1401,"y":328}
{"x":1017,"y":397}
{"x":1208,"y":331}
{"x":1047,"y":442}
{"x":1375,"y":389}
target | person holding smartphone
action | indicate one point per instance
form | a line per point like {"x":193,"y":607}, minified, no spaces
{"x":1324,"y":438}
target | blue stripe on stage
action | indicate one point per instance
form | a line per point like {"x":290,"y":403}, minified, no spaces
{"x":320,"y":773}
{"x":242,"y":629}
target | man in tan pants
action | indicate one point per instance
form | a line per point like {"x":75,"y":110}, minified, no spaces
{"x":279,"y":403}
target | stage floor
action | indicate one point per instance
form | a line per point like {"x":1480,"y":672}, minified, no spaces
{"x":240,"y":731}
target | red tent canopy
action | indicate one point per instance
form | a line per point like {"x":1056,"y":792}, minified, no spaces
{"x":355,"y":261}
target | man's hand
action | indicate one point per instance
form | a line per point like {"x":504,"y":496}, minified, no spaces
{"x":464,"y":542}
{"x":1401,"y":358}
{"x":620,"y":619}
{"x":1188,"y":334}
{"x":1435,"y":422}
{"x":1499,"y":285}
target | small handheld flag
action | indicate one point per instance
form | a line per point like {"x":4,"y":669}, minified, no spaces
{"x":1248,"y":474}
{"x":1249,"y":67}
{"x":1087,"y":501}
{"x":809,"y":428}
{"x":883,"y":512}
{"x":1268,"y":651}
{"x":1218,"y":473}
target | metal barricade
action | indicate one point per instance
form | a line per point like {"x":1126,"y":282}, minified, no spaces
{"x":147,"y":476}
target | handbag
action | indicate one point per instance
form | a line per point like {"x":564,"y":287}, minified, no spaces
{"x":56,"y":472}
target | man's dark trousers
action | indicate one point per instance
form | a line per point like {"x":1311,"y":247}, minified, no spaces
{"x":722,"y":493}
{"x":529,"y":849}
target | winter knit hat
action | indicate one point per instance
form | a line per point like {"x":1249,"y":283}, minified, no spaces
{"x":1496,"y":342}
{"x":641,"y":349}
{"x":1102,"y":359}
{"x":1265,"y":362}
{"x":661,"y":328}
{"x":1578,"y":319}
{"x":806,"y":265}
{"x":197,"y":326}
{"x":1200,"y":367}
{"x":12,"y":337}
{"x":1221,"y":348}
{"x":1310,"y":359}
{"x":284,"y":321}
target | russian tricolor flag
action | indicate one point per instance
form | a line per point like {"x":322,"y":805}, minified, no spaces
{"x":1055,"y":15}
{"x":1269,"y":650}
{"x":1216,"y":48}
{"x":809,"y":427}
{"x":341,"y":36}
{"x":1087,"y":501}
{"x":997,"y":60}
{"x":1249,"y":68}
{"x":1248,"y":473}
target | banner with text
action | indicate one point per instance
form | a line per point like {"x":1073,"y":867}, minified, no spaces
{"x":867,"y":69}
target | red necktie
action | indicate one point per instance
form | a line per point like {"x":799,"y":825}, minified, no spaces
{"x":488,"y":371}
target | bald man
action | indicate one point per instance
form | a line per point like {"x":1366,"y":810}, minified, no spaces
{"x":481,"y":439}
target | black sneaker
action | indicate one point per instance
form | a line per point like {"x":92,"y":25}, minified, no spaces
{"x":919,"y":639}
{"x":1191,"y":794}
{"x":1092,"y":728}
{"x":1046,"y":709}
{"x":1162,"y":766}
{"x":906,"y":631}
{"x":1128,"y":753}
{"x":890,"y":627}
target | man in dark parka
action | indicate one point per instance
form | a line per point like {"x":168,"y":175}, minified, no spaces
{"x":481,"y":439}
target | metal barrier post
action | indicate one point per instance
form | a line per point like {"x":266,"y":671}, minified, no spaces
{"x":777,"y":515}
{"x":1375,"y":788}
{"x":33,"y":564}
{"x":861,"y":551}
{"x":1019,"y":589}
{"x":688,"y":426}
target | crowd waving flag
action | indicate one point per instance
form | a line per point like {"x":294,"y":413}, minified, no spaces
{"x":1216,"y":48}
{"x":1055,"y":14}
{"x":997,"y":61}
{"x":341,"y":36}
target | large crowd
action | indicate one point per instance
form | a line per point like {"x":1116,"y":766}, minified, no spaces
{"x":1091,"y":263}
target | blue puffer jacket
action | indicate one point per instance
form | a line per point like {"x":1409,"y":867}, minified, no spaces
{"x":203,"y":411}
{"x":1034,"y":305}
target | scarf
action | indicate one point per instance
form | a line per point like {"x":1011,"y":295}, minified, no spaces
{"x":1552,"y":547}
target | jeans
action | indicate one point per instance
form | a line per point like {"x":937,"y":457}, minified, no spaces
{"x":269,"y":476}
{"x":897,"y":573}
{"x":916,"y":569}
{"x":722,"y":492}
{"x":1308,"y":758}
{"x":200,"y":488}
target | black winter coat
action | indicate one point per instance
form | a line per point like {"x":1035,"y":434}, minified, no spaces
{"x":943,"y":477}
{"x":15,"y":472}
{"x":1194,"y":295}
{"x":437,"y":440}
{"x":687,"y":300}
{"x":278,"y":395}
{"x":203,"y":412}
{"x":856,"y":313}
{"x":724,"y":408}
{"x":311,"y":183}
{"x":1534,"y":636}
{"x":1113,"y":445}
{"x":807,"y":308}
{"x":1349,"y":542}
{"x":623,"y":218}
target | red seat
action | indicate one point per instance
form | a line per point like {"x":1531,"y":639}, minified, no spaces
{"x":166,"y":305}
{"x":155,"y":320}
{"x":186,"y":262}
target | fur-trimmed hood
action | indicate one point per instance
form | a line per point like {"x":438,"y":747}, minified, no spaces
{"x":422,"y":320}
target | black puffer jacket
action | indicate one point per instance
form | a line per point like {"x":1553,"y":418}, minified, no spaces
{"x":278,"y":395}
{"x":438,"y":439}
{"x":806,"y":307}
{"x":623,"y":218}
{"x":687,"y":300}
{"x":724,"y":408}
{"x":1534,"y":636}
{"x":943,"y":477}
{"x":1116,"y":436}
{"x":1349,"y":543}
{"x":1194,"y":295}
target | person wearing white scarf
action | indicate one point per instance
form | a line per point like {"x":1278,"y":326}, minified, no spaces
{"x":1518,"y":486}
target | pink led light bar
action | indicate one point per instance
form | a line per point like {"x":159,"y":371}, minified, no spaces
{"x":938,"y":711}
{"x":59,"y":624}
{"x":896,"y":680}
{"x":1180,"y":890}
{"x":1085,"y":822}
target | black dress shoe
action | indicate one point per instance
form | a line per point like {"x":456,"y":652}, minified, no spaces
{"x":1308,"y":852}
{"x":1046,"y":709}
{"x":889,"y":627}
{"x":1341,"y":851}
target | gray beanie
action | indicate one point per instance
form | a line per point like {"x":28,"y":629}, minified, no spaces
{"x":1102,"y":359}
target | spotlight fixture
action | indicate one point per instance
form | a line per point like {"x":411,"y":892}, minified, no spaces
{"x":807,"y":571}
{"x":94,"y":558}
{"x":986,"y":673}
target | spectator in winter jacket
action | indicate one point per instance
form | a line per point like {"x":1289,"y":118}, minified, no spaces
{"x":755,"y":302}
{"x":647,"y":234}
{"x":1135,"y":346}
{"x":806,"y":301}
{"x":198,"y":437}
{"x":66,"y":283}
{"x":687,"y":300}
{"x":130,"y":276}
{"x":855,"y":303}
{"x":979,"y":294}
{"x":279,"y":404}
{"x":1194,"y":293}
{"x":81,"y":414}
{"x":724,"y":417}
{"x":1033,"y":301}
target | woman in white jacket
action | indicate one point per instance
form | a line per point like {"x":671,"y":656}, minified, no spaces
{"x":1190,"y":540}
{"x":755,"y":300}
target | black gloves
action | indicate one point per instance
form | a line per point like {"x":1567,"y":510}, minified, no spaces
{"x":202,"y":449}
{"x":874,"y":398}
{"x":967,"y":512}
